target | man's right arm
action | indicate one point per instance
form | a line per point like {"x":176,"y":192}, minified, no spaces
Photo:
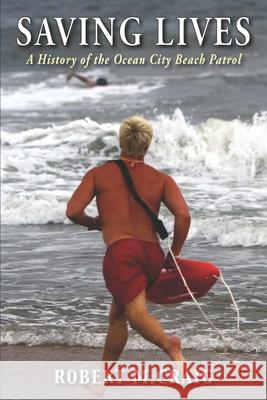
{"x":80,"y":199}
{"x":88,"y":82}
{"x":175,"y":202}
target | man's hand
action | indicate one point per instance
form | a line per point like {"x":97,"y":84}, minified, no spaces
{"x":95,"y":224}
{"x":169,"y":263}
{"x":175,"y":202}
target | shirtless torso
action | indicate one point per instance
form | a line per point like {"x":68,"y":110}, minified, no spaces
{"x":120,"y":216}
{"x":133,"y":259}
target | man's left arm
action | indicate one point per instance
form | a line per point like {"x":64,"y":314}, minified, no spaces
{"x":80,"y":199}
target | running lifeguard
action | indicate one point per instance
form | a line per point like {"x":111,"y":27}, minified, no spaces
{"x":134,"y":258}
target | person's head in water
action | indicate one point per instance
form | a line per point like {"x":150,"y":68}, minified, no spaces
{"x":101,"y":82}
{"x":135,"y":136}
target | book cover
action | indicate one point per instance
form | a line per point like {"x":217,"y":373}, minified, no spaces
{"x":72,"y":72}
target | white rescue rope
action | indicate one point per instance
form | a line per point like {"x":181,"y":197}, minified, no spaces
{"x":225,"y":340}
{"x":221,"y":278}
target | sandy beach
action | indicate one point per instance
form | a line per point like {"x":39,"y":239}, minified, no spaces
{"x":83,"y":353}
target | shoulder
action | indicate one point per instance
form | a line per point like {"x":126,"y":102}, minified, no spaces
{"x":91,"y":171}
{"x":90,"y":174}
{"x":155,"y":171}
{"x":160,"y":174}
{"x":98,"y":168}
{"x":104,"y":169}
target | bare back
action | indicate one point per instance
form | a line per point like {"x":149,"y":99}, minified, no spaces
{"x":120,"y":215}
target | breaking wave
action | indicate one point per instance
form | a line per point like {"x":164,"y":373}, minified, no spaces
{"x":41,"y":168}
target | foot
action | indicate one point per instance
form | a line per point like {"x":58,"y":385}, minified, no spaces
{"x":174,"y":351}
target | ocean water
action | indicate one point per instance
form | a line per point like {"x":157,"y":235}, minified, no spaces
{"x":210,"y":128}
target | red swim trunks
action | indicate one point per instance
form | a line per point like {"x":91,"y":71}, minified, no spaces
{"x":129,"y":266}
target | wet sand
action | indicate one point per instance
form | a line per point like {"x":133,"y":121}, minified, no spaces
{"x":84,"y":353}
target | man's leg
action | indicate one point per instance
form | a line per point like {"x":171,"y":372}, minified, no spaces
{"x":117,"y":334}
{"x":150,"y":328}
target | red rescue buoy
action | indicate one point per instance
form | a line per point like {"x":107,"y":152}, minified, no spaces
{"x":169,"y":288}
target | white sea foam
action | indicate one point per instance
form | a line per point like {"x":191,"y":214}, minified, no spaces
{"x":36,"y":209}
{"x":247,"y":342}
{"x":41,"y":168}
{"x":228,"y":232}
{"x":221,"y":148}
{"x":215,"y":147}
{"x":53,"y":92}
{"x":42,"y":208}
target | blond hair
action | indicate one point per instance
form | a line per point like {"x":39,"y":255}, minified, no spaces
{"x":135,"y":136}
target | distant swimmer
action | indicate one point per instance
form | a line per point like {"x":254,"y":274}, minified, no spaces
{"x":90,"y":83}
